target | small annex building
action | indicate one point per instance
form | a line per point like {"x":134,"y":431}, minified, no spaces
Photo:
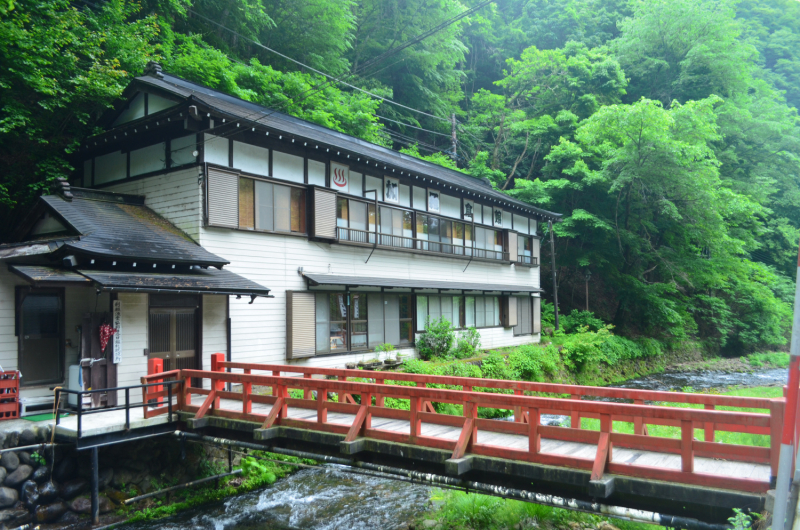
{"x":359,"y":245}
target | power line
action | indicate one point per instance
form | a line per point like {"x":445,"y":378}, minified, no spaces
{"x":424,"y":35}
{"x":413,"y":127}
{"x":332,"y":78}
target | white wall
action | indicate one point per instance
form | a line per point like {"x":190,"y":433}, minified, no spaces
{"x":215,"y":328}
{"x":176,"y":196}
{"x":258,"y":331}
{"x":8,"y":341}
{"x":133,"y":364}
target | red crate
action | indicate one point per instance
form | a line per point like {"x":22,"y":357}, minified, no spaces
{"x":9,"y":395}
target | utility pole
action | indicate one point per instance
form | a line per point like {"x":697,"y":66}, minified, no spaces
{"x":588,"y":275}
{"x":553,"y":267}
{"x":455,"y":139}
{"x":789,"y":417}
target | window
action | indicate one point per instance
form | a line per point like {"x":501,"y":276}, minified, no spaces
{"x":355,"y":220}
{"x":489,"y":243}
{"x":271,"y":207}
{"x":451,"y":234}
{"x":525,"y":249}
{"x":395,"y":227}
{"x":460,"y":311}
{"x":350,"y":321}
{"x":40,"y":323}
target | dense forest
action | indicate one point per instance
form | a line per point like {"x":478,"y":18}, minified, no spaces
{"x":667,"y":132}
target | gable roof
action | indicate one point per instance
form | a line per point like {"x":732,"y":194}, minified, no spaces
{"x":115,"y":226}
{"x":263,"y":117}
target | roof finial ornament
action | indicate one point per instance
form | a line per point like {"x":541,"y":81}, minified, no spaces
{"x":153,"y":69}
{"x":61,"y":187}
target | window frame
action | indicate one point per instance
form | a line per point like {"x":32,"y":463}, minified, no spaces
{"x":275,"y":182}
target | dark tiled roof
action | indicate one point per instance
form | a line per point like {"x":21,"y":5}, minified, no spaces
{"x":265,"y":117}
{"x":37,"y":274}
{"x":330,"y":279}
{"x":115,"y":226}
{"x":207,"y":281}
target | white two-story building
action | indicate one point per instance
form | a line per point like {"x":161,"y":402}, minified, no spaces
{"x":330,"y":245}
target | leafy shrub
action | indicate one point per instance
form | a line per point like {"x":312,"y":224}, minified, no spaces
{"x":529,"y":362}
{"x":548,"y":316}
{"x":585,"y":347}
{"x":778,"y":359}
{"x":494,"y":366}
{"x":581,"y":319}
{"x":437,"y":339}
{"x":384,"y":347}
{"x":469,"y":342}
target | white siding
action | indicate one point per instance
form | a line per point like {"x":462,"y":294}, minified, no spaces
{"x":258,"y":331}
{"x":8,"y":341}
{"x":133,"y":364}
{"x":177,"y":196}
{"x":215,"y":336}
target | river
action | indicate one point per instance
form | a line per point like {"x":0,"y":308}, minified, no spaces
{"x":332,"y":498}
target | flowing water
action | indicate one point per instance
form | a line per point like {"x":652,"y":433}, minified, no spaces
{"x":331,"y":498}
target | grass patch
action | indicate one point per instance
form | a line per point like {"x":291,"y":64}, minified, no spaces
{"x":759,"y":440}
{"x":462,"y":511}
{"x":775,"y":359}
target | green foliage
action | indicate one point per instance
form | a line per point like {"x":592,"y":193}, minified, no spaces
{"x":494,"y":366}
{"x":436,"y":340}
{"x":531,"y":362}
{"x":384,"y":348}
{"x":468,"y":343}
{"x":255,"y":470}
{"x":580,"y":319}
{"x":776,"y":359}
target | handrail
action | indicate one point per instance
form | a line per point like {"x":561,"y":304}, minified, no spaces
{"x":525,"y":386}
{"x":126,"y":407}
{"x":531,"y":407}
{"x":355,"y":235}
{"x":527,"y":260}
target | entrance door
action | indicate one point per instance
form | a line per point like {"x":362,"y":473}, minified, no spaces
{"x":173,"y":331}
{"x":40,"y":345}
{"x":99,"y":370}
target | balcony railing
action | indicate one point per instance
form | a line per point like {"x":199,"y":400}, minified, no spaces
{"x":419,"y":245}
{"x":531,"y":261}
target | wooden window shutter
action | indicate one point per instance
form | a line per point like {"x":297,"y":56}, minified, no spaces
{"x":223,"y":198}
{"x":509,"y":311}
{"x":511,"y":244}
{"x":300,"y":325}
{"x":323,"y":225}
{"x":537,"y":314}
{"x":536,"y":252}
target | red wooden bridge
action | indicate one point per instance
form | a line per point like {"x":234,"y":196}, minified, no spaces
{"x":345,"y":411}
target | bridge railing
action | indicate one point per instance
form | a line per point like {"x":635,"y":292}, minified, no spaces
{"x":774,"y":407}
{"x":365,"y":401}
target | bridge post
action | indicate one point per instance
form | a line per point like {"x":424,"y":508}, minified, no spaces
{"x":534,"y":438}
{"x":776,"y":409}
{"x":518,"y":418}
{"x":414,"y":418}
{"x":156,"y":366}
{"x":216,"y":366}
{"x":687,"y":449}
{"x":306,"y":391}
{"x":575,"y":417}
{"x":274,"y":388}
{"x":322,"y":406}
{"x":247,"y":390}
{"x":378,"y":397}
{"x":639,"y":426}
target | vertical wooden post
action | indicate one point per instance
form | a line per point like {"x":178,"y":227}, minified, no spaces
{"x":306,"y":391}
{"x":534,"y":438}
{"x":414,"y":418}
{"x":466,"y":388}
{"x":575,"y":417}
{"x":638,"y":421}
{"x":247,"y":390}
{"x":708,"y":430}
{"x":274,"y":389}
{"x":216,"y":366}
{"x":379,"y":397}
{"x":687,"y":443}
{"x":322,"y":405}
{"x":155,"y":366}
{"x":604,"y":448}
{"x":187,"y":393}
{"x":776,"y":411}
{"x":366,"y":399}
{"x":518,"y":410}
